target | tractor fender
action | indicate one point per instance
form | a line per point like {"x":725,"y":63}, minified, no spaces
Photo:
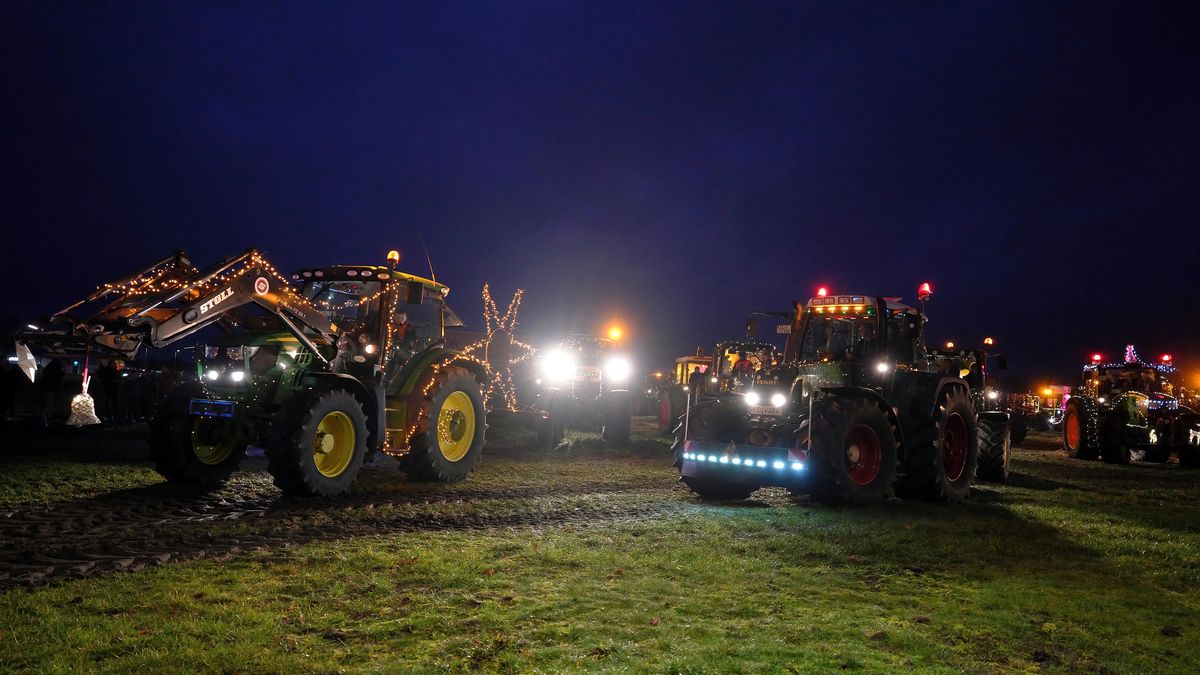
{"x":370,"y":394}
{"x":871,"y":394}
{"x":924,"y":404}
{"x":423,"y":368}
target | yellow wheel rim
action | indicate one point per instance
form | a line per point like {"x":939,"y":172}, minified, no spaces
{"x":212,"y":443}
{"x":456,"y":426}
{"x":333,"y":444}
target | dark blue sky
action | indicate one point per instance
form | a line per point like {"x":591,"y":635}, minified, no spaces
{"x":673,"y":163}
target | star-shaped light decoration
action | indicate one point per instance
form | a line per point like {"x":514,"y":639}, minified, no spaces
{"x":501,"y":350}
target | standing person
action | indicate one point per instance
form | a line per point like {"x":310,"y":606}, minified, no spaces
{"x":49,"y":382}
{"x":696,"y":382}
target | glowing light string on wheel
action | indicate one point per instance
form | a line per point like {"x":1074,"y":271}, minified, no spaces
{"x":500,"y":338}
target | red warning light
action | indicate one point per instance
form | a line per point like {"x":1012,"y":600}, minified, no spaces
{"x":924,"y":291}
{"x":1097,"y":358}
{"x":822,"y":292}
{"x":1166,"y":358}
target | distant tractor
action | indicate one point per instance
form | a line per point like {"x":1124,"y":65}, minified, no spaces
{"x":674,"y":393}
{"x":586,"y":382}
{"x":998,"y":426}
{"x":1126,"y":411}
{"x":320,"y":370}
{"x":856,"y":408}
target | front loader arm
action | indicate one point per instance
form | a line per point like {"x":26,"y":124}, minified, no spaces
{"x":172,"y":300}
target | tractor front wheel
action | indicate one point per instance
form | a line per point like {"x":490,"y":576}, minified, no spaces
{"x":318,"y":442}
{"x":193,"y":449}
{"x":617,"y":418}
{"x":853,"y":452}
{"x":1080,"y":429}
{"x":944,"y":451}
{"x":454,"y":421}
{"x":994,"y":447}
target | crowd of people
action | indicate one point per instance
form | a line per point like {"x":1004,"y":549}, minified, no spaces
{"x":123,"y":395}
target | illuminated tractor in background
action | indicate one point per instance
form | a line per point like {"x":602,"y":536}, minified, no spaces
{"x":673,"y":397}
{"x":1126,"y":411}
{"x":999,"y":428}
{"x":320,"y":371}
{"x":586,"y":383}
{"x":1052,"y":399}
{"x":856,"y":408}
{"x":731,"y":367}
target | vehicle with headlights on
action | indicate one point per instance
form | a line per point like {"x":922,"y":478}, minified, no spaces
{"x":585,"y":382}
{"x":995,"y":423}
{"x":318,"y":370}
{"x":857,"y":408}
{"x":1126,"y":411}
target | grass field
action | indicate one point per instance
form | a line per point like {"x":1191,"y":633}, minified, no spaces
{"x":597,"y":559}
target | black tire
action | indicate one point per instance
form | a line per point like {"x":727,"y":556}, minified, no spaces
{"x":448,"y":447}
{"x":943,"y":451}
{"x":317,"y":444}
{"x":853,"y":451}
{"x":188,"y":448}
{"x":617,"y":418}
{"x":718,"y":491}
{"x":1113,"y":447}
{"x":995,"y":447}
{"x":1081,"y":429}
{"x":1018,"y":428}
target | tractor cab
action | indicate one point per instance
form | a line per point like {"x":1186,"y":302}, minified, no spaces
{"x":385,"y":312}
{"x":735,"y":363}
{"x":1145,"y":382}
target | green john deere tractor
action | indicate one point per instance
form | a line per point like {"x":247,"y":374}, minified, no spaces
{"x":320,"y":371}
{"x":856,"y":408}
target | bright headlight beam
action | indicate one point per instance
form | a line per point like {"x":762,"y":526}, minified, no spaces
{"x":617,"y":369}
{"x":778,"y":400}
{"x":752,"y":398}
{"x":558,"y":366}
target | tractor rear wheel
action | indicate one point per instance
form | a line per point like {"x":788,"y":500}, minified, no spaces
{"x":189,"y":448}
{"x":994,"y":447}
{"x":1080,"y":427}
{"x":944,"y":451}
{"x":318,"y":442}
{"x":853,"y":452}
{"x":455,"y":422}
{"x":617,"y":418}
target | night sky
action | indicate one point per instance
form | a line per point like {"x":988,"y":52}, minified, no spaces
{"x":671,"y":164}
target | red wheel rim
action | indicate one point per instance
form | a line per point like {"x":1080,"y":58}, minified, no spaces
{"x":1071,"y":429}
{"x":954,"y":446}
{"x":864,"y":454}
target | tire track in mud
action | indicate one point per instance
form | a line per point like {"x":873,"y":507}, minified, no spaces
{"x":131,"y":532}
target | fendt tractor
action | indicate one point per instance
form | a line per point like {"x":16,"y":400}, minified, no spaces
{"x":319,"y":371}
{"x":1126,"y":411}
{"x":586,"y":382}
{"x":857,"y":408}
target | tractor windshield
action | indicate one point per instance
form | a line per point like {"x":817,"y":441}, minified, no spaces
{"x":346,"y":303}
{"x":838,"y":338}
{"x":1118,"y":380}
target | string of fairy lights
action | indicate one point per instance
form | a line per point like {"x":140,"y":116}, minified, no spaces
{"x":501,"y":386}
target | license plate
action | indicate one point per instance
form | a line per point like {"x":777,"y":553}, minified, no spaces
{"x":764,"y":410}
{"x":207,"y":408}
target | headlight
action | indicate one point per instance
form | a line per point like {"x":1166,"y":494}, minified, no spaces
{"x":778,"y":400}
{"x":212,"y":374}
{"x":558,"y":366}
{"x":617,"y":369}
{"x":882,"y":367}
{"x":1100,"y":400}
{"x":752,"y":398}
{"x":993,"y":395}
{"x":370,"y":349}
{"x":237,"y":375}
